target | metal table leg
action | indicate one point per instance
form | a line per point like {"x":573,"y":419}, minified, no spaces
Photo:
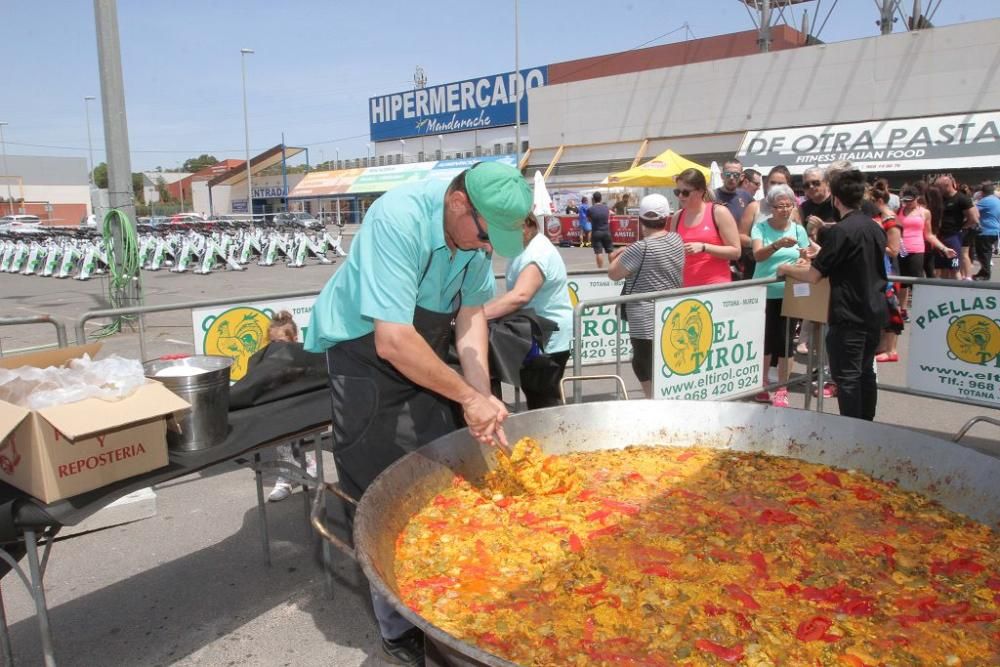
{"x":5,"y":649}
{"x":324,"y":544}
{"x":262,"y":508}
{"x":38,"y":593}
{"x":300,"y":457}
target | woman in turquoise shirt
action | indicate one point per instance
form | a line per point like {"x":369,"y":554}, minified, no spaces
{"x":536,"y":279}
{"x":777,"y":240}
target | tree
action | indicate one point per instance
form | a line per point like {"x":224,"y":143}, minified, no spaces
{"x":161,"y":187}
{"x":140,"y":196}
{"x":198,"y":163}
{"x":101,"y":175}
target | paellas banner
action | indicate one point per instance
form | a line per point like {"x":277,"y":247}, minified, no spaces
{"x":709,"y":347}
{"x":600,"y":325}
{"x":476,"y":104}
{"x":936,"y":142}
{"x":238,"y":331}
{"x":955,"y":343}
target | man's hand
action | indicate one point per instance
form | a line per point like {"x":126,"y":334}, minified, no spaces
{"x":485,"y":415}
{"x":785,"y":242}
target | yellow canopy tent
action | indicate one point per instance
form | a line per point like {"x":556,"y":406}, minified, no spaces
{"x":658,"y":172}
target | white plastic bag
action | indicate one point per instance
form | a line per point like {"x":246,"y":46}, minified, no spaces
{"x":110,"y":379}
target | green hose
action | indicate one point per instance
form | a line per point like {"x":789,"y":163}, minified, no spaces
{"x":121,"y":281}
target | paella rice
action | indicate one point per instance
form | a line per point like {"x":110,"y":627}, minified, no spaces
{"x":695,"y":556}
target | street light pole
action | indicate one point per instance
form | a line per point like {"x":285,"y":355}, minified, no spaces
{"x":246,"y":131}
{"x":336,"y":164}
{"x":90,"y":144}
{"x":3,"y":148}
{"x":517,"y":88}
{"x":440,"y":146}
{"x":402,"y":150}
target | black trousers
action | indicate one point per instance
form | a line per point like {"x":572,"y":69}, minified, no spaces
{"x":982,"y":248}
{"x":852,"y":366}
{"x":540,"y":380}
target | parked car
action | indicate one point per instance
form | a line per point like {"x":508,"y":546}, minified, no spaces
{"x":21,"y":224}
{"x":298,"y":219}
{"x":188,"y":219}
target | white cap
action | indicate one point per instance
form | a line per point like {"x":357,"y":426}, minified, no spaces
{"x":654,"y":207}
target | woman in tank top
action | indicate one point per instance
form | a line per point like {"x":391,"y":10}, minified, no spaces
{"x":711,"y":237}
{"x":919,"y":239}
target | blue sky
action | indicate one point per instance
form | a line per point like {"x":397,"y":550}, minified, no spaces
{"x":317,"y":63}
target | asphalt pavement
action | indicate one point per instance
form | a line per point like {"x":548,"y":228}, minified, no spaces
{"x":189,"y":586}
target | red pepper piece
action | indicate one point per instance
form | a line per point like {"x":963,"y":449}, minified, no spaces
{"x":864,"y":493}
{"x":575,"y":545}
{"x":776,"y":517}
{"x":593,"y":588}
{"x":798,"y":482}
{"x":618,"y":506}
{"x":745,"y":599}
{"x":659,"y":570}
{"x":759,"y":564}
{"x":604,"y":532}
{"x":965,"y":564}
{"x":599,"y":515}
{"x":724,"y":653}
{"x":714,"y":610}
{"x":803,"y":501}
{"x":993,"y":583}
{"x":685,"y":455}
{"x":830,"y":478}
{"x":813,"y":629}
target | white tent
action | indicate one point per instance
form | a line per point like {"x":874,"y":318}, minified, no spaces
{"x":543,"y":202}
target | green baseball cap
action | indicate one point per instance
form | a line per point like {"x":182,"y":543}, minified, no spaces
{"x":503,"y":199}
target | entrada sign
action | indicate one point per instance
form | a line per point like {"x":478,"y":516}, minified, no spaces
{"x":937,"y":142}
{"x":453,"y":107}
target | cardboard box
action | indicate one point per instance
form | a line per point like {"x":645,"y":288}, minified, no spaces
{"x":64,"y":450}
{"x":807,"y":301}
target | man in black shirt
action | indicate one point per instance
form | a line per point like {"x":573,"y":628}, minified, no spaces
{"x":852,"y":257}
{"x":959,"y":213}
{"x":600,"y":235}
{"x":817,"y":209}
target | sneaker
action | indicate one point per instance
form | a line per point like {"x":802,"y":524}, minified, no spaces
{"x":801,"y":348}
{"x":763,"y":397}
{"x":780,"y":399}
{"x":407,"y":650}
{"x":829,"y":390}
{"x":282,"y":489}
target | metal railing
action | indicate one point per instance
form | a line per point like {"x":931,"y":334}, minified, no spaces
{"x":81,"y":331}
{"x":39,"y":319}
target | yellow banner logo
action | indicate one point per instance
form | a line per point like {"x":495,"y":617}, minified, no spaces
{"x":687,"y":336}
{"x":974,"y":339}
{"x":237,"y":333}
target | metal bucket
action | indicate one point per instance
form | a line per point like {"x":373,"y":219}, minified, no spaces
{"x":206,"y":423}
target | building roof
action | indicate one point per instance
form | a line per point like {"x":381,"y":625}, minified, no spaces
{"x":153,"y":177}
{"x":258,"y":163}
{"x":669,"y":55}
{"x":217,"y":169}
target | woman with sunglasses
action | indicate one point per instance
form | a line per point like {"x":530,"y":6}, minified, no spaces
{"x":711,"y":237}
{"x":777,"y":240}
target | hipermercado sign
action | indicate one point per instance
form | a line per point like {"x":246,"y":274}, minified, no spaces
{"x":955,"y":343}
{"x":476,"y":104}
{"x":935,"y":142}
{"x":711,"y":346}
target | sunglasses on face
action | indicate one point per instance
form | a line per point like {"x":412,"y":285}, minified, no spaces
{"x":683,"y":192}
{"x":732,"y":174}
{"x":813,"y":184}
{"x":482,"y":234}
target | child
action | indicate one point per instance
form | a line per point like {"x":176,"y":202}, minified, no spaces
{"x":283,"y":328}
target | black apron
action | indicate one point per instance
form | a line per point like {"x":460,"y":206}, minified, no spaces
{"x":379,"y":415}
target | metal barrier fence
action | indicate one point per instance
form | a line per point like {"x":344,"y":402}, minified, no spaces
{"x":815,"y":351}
{"x":38,"y":319}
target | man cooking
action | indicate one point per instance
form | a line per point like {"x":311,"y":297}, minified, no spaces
{"x":421,"y":261}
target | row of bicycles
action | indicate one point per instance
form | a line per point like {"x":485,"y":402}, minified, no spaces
{"x":82,"y":253}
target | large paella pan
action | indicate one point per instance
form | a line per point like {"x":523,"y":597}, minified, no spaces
{"x":959,"y":479}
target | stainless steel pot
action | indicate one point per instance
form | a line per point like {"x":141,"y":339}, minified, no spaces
{"x":961,"y":479}
{"x":206,"y":423}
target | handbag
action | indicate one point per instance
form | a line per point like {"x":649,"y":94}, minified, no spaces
{"x":622,"y":310}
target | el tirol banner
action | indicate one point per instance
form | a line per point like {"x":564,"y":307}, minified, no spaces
{"x":955,"y":342}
